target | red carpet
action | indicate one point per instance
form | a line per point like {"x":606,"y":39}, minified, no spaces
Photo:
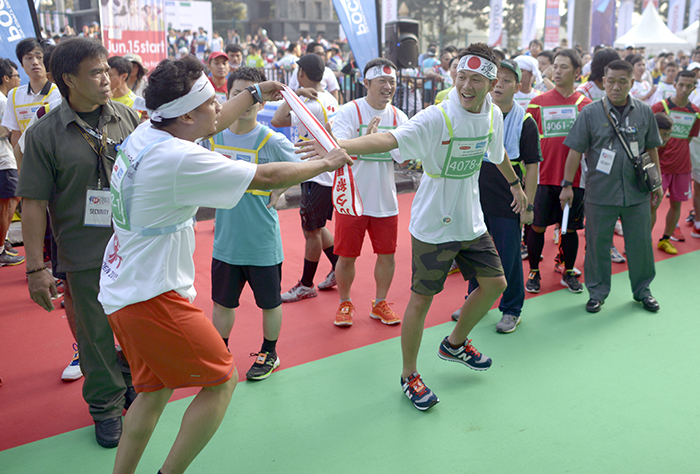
{"x":35,"y":346}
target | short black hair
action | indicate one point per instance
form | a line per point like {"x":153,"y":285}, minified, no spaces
{"x":482,"y":50}
{"x":6,"y":67}
{"x":171,"y":80}
{"x":310,"y":47}
{"x":537,"y":42}
{"x":245,"y":74}
{"x":601,"y":59}
{"x":233,"y":48}
{"x":663,"y":121}
{"x":685,"y":73}
{"x":451,"y":48}
{"x":68,"y":56}
{"x":499,"y":53}
{"x":634,"y":58}
{"x":573,"y":56}
{"x":121,"y":65}
{"x":619,"y":65}
{"x":456,"y":58}
{"x":378,"y":62}
{"x":672,"y":64}
{"x":291,"y":46}
{"x":26,"y":46}
{"x":48,"y":53}
{"x":547,"y":54}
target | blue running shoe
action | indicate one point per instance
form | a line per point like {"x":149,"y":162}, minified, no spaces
{"x":416,"y":391}
{"x":465,"y":354}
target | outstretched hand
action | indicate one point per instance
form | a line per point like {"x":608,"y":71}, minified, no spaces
{"x":270,"y":90}
{"x":312,"y":149}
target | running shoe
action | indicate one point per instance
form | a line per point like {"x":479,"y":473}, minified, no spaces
{"x":9,"y":249}
{"x":416,"y":391}
{"x":299,"y":292}
{"x":557,"y":234}
{"x":455,"y":315}
{"x":677,"y":235}
{"x":691,"y":217}
{"x":384,"y":313}
{"x":73,"y":372}
{"x":559,"y":268}
{"x":570,"y":280}
{"x":523,"y":250}
{"x":533,"y":282}
{"x":618,"y":228}
{"x":667,"y":246}
{"x":454,"y":268}
{"x":263,"y":366}
{"x":7,"y":260}
{"x":343,"y":317}
{"x":465,"y":354}
{"x":508,"y":323}
{"x":695,"y":233}
{"x":329,"y":282}
{"x":616,"y":256}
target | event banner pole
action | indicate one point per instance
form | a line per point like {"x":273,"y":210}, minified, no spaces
{"x":529,"y":23}
{"x":18,"y":20}
{"x":496,"y":23}
{"x":552,"y":23}
{"x":359,"y":21}
{"x":676,"y":15}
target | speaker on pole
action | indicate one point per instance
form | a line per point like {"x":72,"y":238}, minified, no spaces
{"x":402,"y":43}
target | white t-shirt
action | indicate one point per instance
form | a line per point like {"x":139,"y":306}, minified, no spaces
{"x":663,"y":91}
{"x":591,"y":90}
{"x":640,"y":89}
{"x":172,"y":180}
{"x":374,"y":179}
{"x":329,"y":81}
{"x":524,"y":99}
{"x":444,"y":209}
{"x":22,"y":95}
{"x":325,"y":102}
{"x":7,"y":157}
{"x":52,"y":105}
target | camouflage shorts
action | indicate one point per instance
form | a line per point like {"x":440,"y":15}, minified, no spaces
{"x":432,"y":262}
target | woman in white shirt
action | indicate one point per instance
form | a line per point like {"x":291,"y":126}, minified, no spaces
{"x":641,"y":89}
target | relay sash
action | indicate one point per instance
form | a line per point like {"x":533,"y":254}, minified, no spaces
{"x":346,"y":197}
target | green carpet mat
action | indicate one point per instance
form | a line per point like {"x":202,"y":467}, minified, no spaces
{"x":569,"y":392}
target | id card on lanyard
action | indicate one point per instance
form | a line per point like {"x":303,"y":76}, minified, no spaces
{"x":98,"y":200}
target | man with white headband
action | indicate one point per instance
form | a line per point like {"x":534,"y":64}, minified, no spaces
{"x":446,"y":219}
{"x":374,"y":177}
{"x":160,"y":178}
{"x":530,"y":75}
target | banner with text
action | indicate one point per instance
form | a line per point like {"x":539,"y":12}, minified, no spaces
{"x":390,"y":12}
{"x":496,"y":23}
{"x":529,"y":23}
{"x":359,"y":21}
{"x":694,"y":12}
{"x":552,"y":23}
{"x":16,"y":23}
{"x":571,"y":7}
{"x":183,"y":15}
{"x":676,"y":15}
{"x":602,"y":22}
{"x":139,"y":29}
{"x":624,"y":17}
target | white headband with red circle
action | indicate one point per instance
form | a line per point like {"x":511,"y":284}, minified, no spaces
{"x":378,"y":71}
{"x":479,"y":65}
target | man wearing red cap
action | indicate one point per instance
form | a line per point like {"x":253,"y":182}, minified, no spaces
{"x":218,"y":65}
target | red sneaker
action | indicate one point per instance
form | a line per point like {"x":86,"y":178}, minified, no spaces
{"x":677,"y":235}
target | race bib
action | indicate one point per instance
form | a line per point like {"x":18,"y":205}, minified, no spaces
{"x":464,"y":156}
{"x":558,"y":120}
{"x":682,"y":123}
{"x":376,"y":156}
{"x":98,"y":208}
{"x":605,"y":161}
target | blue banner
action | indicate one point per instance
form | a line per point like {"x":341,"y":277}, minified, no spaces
{"x":602,"y":22}
{"x":16,"y":23}
{"x":359,"y":21}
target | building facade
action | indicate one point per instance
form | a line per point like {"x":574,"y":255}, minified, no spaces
{"x":293,"y":18}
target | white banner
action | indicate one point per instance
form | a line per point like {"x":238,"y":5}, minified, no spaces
{"x":182,"y":15}
{"x":694,"y":13}
{"x":389,"y":13}
{"x":676,"y":15}
{"x":570,"y":22}
{"x":496,"y":23}
{"x":529,"y":23}
{"x":624,"y":17}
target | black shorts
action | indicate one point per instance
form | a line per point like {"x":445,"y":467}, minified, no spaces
{"x":315,"y":205}
{"x":8,"y":183}
{"x":548,"y":207}
{"x":227,"y":282}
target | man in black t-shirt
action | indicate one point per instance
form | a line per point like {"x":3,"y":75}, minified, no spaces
{"x":522,"y":143}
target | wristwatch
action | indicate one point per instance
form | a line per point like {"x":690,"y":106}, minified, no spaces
{"x":255,"y":92}
{"x":530,"y":207}
{"x":565,"y":183}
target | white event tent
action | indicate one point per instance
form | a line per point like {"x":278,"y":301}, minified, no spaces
{"x":690,"y":34}
{"x":651,"y":32}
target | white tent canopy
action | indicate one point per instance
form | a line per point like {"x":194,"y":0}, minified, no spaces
{"x":651,"y":32}
{"x":690,"y":34}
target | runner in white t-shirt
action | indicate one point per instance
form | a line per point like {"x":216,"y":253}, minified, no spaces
{"x":316,"y":204}
{"x":446,"y":218}
{"x":329,"y":81}
{"x":374,"y":178}
{"x":160,"y":178}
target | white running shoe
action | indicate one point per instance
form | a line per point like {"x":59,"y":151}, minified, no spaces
{"x":616,"y":256}
{"x":72,"y":372}
{"x":618,"y":228}
{"x":299,"y":292}
{"x":328,"y":283}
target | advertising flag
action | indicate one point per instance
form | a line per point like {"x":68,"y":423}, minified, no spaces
{"x":552,"y":23}
{"x":136,"y":27}
{"x":602,"y":22}
{"x":390,"y":12}
{"x":571,"y":7}
{"x":624,"y":17}
{"x":676,"y":15}
{"x":694,"y":13}
{"x":17,"y":21}
{"x":359,"y":21}
{"x":529,"y":22}
{"x":496,"y":23}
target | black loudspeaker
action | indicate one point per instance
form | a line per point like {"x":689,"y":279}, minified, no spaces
{"x":402,"y":43}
